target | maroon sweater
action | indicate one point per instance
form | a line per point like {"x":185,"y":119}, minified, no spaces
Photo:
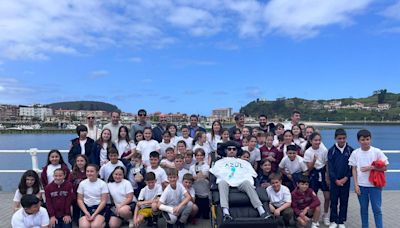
{"x":43,"y":175}
{"x":302,"y":200}
{"x":59,"y":199}
{"x":275,"y":153}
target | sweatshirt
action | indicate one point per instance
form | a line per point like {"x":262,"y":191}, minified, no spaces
{"x":338,"y":163}
{"x":59,"y":199}
{"x":302,"y":200}
{"x":43,"y":175}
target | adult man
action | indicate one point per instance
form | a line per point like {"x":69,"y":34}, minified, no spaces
{"x":93,"y":131}
{"x":231,"y":171}
{"x":31,"y":214}
{"x":193,"y":128}
{"x":264,"y":125}
{"x":141,"y":124}
{"x":114,"y":125}
{"x":239,"y":120}
{"x":160,"y":128}
{"x":294,"y":120}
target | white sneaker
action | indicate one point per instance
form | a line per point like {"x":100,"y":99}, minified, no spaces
{"x":326,"y":221}
{"x":131,"y":223}
{"x":315,"y":225}
{"x":333,"y":225}
{"x":342,"y":226}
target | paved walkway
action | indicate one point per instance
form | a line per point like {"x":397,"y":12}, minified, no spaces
{"x":391,"y":202}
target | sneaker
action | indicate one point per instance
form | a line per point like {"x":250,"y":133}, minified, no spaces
{"x":326,"y":221}
{"x":341,"y":226}
{"x":333,"y":225}
{"x":266,"y":215}
{"x":131,"y":223}
{"x":227,"y":218}
{"x":149,"y":222}
{"x":314,"y":224}
{"x":170,"y":225}
{"x":155,"y":221}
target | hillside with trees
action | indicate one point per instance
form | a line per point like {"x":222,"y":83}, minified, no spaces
{"x":84,"y":105}
{"x":380,"y":106}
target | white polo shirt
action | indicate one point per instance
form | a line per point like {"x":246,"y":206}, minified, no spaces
{"x":21,"y":219}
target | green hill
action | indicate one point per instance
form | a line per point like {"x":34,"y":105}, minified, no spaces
{"x":322,"y":110}
{"x":84,"y":105}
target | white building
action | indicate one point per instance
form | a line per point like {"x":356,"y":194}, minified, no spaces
{"x":38,"y":111}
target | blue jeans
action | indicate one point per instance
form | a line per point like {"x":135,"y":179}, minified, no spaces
{"x":374,"y":195}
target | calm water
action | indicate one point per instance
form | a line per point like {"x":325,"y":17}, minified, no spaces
{"x":384,"y":137}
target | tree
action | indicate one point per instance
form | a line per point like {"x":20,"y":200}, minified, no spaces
{"x":381,"y":96}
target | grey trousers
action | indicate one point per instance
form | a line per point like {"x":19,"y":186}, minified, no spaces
{"x":246,"y":187}
{"x":184,"y":214}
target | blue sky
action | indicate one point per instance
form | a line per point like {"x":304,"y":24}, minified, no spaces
{"x":193,"y":56}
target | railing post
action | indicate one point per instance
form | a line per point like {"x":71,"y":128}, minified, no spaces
{"x":33,"y":153}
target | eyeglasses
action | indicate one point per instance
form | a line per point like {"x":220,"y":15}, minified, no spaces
{"x":90,"y":117}
{"x":141,"y":114}
{"x":231,"y":148}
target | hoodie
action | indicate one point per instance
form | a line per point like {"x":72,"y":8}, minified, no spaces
{"x":301,"y":200}
{"x":59,"y":199}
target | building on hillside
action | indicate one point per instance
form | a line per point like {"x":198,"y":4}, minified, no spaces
{"x":8,"y":112}
{"x":222,"y":113}
{"x":34,"y":111}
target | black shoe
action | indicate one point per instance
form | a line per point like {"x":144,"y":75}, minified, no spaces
{"x":179,"y":224}
{"x":266,"y":215}
{"x":155,"y":221}
{"x":170,"y":225}
{"x":149,"y":222}
{"x":227,"y":218}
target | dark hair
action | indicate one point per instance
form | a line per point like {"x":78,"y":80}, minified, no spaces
{"x":182,"y":141}
{"x":264,"y":161}
{"x":301,"y":133}
{"x":59,"y":154}
{"x":116,"y":111}
{"x":147,"y":128}
{"x":279,"y":125}
{"x":179,"y":156}
{"x":363,"y":133}
{"x":100,"y":141}
{"x":295,"y":112}
{"x":303,"y":179}
{"x":166,"y":133}
{"x":112,"y":150}
{"x":194,"y":116}
{"x":29,"y":200}
{"x":81,"y":128}
{"x":263,"y":134}
{"x":262,"y":115}
{"x":137,"y":155}
{"x":188,"y":176}
{"x":75,"y":169}
{"x":275,"y":176}
{"x":245,"y":152}
{"x":96,"y":167}
{"x":22,"y":184}
{"x":237,"y":130}
{"x":292,"y":148}
{"x":154,"y":154}
{"x":172,"y":125}
{"x":172,"y":172}
{"x":150,"y":176}
{"x":212,"y":129}
{"x":169,"y":149}
{"x":310,"y":138}
{"x":59,"y":169}
{"x":111,"y":178}
{"x":127,"y":134}
{"x":340,"y":131}
{"x":238,"y":116}
{"x":269,"y":134}
{"x":199,"y":150}
{"x":250,"y":137}
{"x":137,"y":132}
{"x":189,"y":152}
{"x":142,"y":111}
{"x":184,"y":126}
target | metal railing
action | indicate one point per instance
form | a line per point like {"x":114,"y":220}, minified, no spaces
{"x":33,"y":152}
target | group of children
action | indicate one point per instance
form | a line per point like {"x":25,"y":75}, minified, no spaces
{"x":127,"y":182}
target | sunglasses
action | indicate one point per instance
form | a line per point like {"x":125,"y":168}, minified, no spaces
{"x":90,"y":117}
{"x":142,"y":114}
{"x":231,"y":148}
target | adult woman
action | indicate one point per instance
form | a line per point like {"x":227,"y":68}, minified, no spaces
{"x":100,"y":149}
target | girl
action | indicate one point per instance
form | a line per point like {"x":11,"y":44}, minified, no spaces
{"x":54,"y":161}
{"x":316,"y":158}
{"x":263,"y":176}
{"x":279,"y":129}
{"x":180,"y":147}
{"x":166,"y":143}
{"x":100,"y":149}
{"x":92,"y":198}
{"x":200,"y":141}
{"x":307,"y":143}
{"x":138,"y":136}
{"x":224,"y":136}
{"x":215,"y":135}
{"x":298,"y":138}
{"x":77,"y":175}
{"x":80,"y":145}
{"x":59,"y":196}
{"x":146,"y":146}
{"x":173,"y":130}
{"x":237,"y":137}
{"x":123,"y":200}
{"x":255,"y":131}
{"x":29,"y":184}
{"x":245,"y":142}
{"x":125,"y":146}
{"x":255,"y":155}
{"x":245,"y":156}
{"x":270,"y":152}
{"x":246,"y":131}
{"x":288,"y":140}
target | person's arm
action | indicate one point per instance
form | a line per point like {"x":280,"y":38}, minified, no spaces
{"x":16,"y":206}
{"x":295,"y":206}
{"x":82,"y":206}
{"x":332,"y":173}
{"x":135,"y":215}
{"x":183,"y":203}
{"x":49,"y":203}
{"x":355,"y":178}
{"x":103,"y":201}
{"x":283,"y":207}
{"x":315,"y":201}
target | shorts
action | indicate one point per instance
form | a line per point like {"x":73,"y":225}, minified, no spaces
{"x":146,"y":212}
{"x":132,"y":206}
{"x":318,"y":180}
{"x":92,"y":209}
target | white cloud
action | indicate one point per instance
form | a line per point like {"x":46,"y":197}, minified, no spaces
{"x":392,"y":11}
{"x":14,"y":91}
{"x":135,"y":59}
{"x":38,"y":29}
{"x":98,"y":74}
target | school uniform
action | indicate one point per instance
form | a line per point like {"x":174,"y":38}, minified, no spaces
{"x":59,"y":200}
{"x":46,"y":176}
{"x":275,"y":153}
{"x":338,"y":159}
{"x":318,"y":172}
{"x":301,"y":200}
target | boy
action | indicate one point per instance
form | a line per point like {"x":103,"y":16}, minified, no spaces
{"x":261,"y":139}
{"x":292,"y":166}
{"x":270,"y":152}
{"x":186,"y":137}
{"x":339,"y":173}
{"x":59,"y":196}
{"x":146,"y":207}
{"x":187,"y":183}
{"x":136,"y":173}
{"x":31,"y":214}
{"x":108,"y":168}
{"x":361,"y":161}
{"x":201,"y":183}
{"x":178,"y":163}
{"x":161,"y":175}
{"x":280,"y":199}
{"x":166,"y":143}
{"x":175,"y":201}
{"x":305,"y":204}
{"x":189,"y":161}
{"x":168,"y":161}
{"x":255,"y":155}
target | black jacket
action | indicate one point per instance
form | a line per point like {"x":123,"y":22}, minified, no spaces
{"x":157,"y":133}
{"x":76,"y":149}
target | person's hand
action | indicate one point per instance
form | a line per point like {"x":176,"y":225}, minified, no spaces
{"x":138,"y":177}
{"x":315,"y":158}
{"x":264,"y":185}
{"x":176,"y":210}
{"x":357,"y":189}
{"x":270,"y":158}
{"x":88,"y":217}
{"x":290,"y":177}
{"x":67,"y":219}
{"x":339,"y":182}
{"x":271,"y":208}
{"x":277,"y":212}
{"x":117,"y":208}
{"x":366,"y":168}
{"x":139,"y":204}
{"x":92,"y":217}
{"x":53,"y":221}
{"x":136,"y":223}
